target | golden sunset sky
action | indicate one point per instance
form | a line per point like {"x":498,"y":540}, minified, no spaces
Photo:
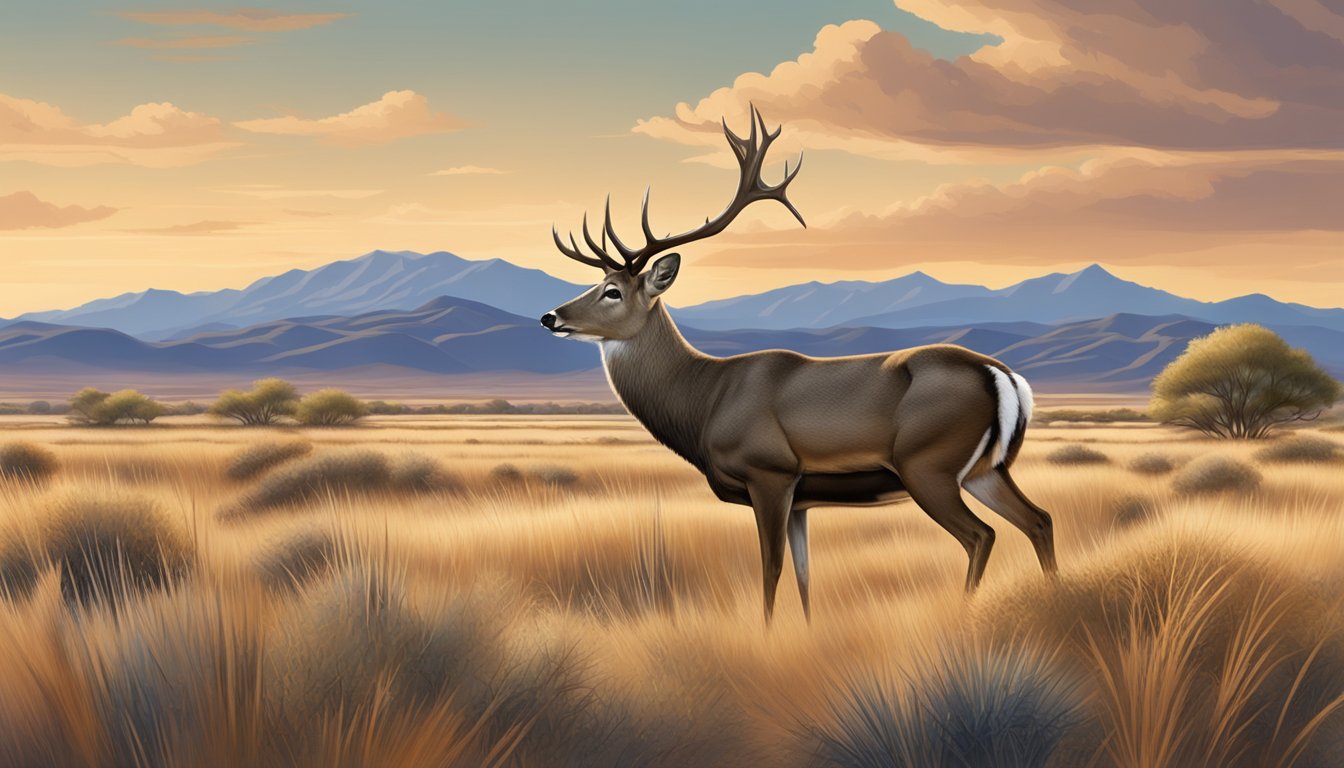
{"x":1195,"y":147}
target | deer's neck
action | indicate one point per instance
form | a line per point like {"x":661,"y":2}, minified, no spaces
{"x":665,"y":383}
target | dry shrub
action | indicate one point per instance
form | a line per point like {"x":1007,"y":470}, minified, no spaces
{"x":416,"y":473}
{"x":1076,"y":455}
{"x":18,"y":567}
{"x":1133,"y":509}
{"x":1300,"y":448}
{"x":1215,"y":474}
{"x":982,"y":708}
{"x":507,"y":473}
{"x":1151,"y":463}
{"x":109,"y":546}
{"x":359,"y":471}
{"x":549,"y":474}
{"x":1200,"y":654}
{"x":260,"y":457}
{"x":299,"y":560}
{"x":26,"y":461}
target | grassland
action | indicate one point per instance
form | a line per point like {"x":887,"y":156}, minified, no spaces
{"x":563,"y":591}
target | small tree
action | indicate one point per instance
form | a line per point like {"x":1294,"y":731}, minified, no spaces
{"x":1241,"y":381}
{"x":92,"y":406}
{"x":329,"y":408}
{"x":269,"y":400}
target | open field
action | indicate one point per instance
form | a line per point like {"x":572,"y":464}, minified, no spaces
{"x":564,"y":591}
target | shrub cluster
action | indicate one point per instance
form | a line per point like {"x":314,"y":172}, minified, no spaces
{"x":550,"y":474}
{"x":1151,"y":464}
{"x":1103,"y":416}
{"x":27,"y":461}
{"x":1300,"y":449}
{"x":1076,"y":454}
{"x":98,"y":408}
{"x":260,"y":457}
{"x":1216,"y":474}
{"x":330,"y":408}
{"x":360,"y":471}
{"x":267,"y":402}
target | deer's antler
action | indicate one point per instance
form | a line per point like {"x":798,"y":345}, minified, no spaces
{"x":750,"y":153}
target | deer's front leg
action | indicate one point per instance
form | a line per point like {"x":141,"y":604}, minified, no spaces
{"x":771,"y":498}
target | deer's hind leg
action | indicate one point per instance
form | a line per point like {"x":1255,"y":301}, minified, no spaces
{"x":996,"y":490}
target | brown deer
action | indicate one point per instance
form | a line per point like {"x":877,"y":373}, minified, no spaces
{"x":782,"y":432}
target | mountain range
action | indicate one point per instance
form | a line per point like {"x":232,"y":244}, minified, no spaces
{"x":438,"y":314}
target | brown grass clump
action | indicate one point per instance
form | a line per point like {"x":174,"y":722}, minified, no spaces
{"x":26,"y":461}
{"x":260,"y":457}
{"x":992,"y":709}
{"x":1216,"y":474}
{"x":550,"y":474}
{"x":556,"y":475}
{"x":1133,"y":509}
{"x":18,"y":567}
{"x":360,"y":471}
{"x":415,"y":473}
{"x":1073,"y":455}
{"x":507,"y":473}
{"x":299,"y":560}
{"x":1300,"y":448}
{"x":1151,"y":463}
{"x":110,"y":545}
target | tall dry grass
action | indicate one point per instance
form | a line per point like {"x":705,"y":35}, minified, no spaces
{"x":426,"y":609}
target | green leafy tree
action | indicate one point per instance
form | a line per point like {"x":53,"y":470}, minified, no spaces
{"x":269,"y":400}
{"x":92,"y":406}
{"x":84,"y":406}
{"x":329,"y":408}
{"x":1241,"y":381}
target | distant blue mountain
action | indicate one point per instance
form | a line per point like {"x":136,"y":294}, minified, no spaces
{"x":823,"y":305}
{"x":921,"y":301}
{"x":377,"y":280}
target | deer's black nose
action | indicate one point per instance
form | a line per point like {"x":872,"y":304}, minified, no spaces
{"x":548,"y":319}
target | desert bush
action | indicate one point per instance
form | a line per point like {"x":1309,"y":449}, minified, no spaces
{"x":108,"y":546}
{"x":1132,"y":509}
{"x":985,"y":709}
{"x":1151,"y":464}
{"x":26,"y":460}
{"x":257,"y":458}
{"x":298,"y":560}
{"x":318,"y":476}
{"x":507,"y":473}
{"x":1076,"y":454}
{"x":416,"y":473}
{"x":39,"y":407}
{"x":330,"y":408}
{"x":1241,"y":381}
{"x":98,"y":408}
{"x":267,"y":403}
{"x":1300,"y":448}
{"x":556,"y":475}
{"x":18,"y":568}
{"x":1103,"y":416}
{"x":1215,"y":474}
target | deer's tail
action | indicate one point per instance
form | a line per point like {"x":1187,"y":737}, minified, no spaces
{"x":1015,"y":404}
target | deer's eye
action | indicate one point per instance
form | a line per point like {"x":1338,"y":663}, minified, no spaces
{"x":612,"y":293}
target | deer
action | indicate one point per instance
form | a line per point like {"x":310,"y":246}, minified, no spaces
{"x":784,"y":433}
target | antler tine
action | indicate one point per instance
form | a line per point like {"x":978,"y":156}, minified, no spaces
{"x":601,"y":253}
{"x":738,"y":144}
{"x":607,"y":230}
{"x":649,"y":237}
{"x":574,"y":252}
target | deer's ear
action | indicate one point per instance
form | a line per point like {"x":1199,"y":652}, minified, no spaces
{"x":661,"y":276}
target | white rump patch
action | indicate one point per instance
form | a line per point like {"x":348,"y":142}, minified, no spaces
{"x":1009,"y":408}
{"x":975,"y":456}
{"x":1024,"y":396}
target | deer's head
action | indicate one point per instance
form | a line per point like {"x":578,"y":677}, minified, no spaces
{"x":617,"y":307}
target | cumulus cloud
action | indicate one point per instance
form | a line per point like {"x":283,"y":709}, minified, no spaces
{"x":398,"y":114}
{"x":24,"y":210}
{"x":1241,"y":74}
{"x":248,"y":19}
{"x":156,"y":135}
{"x":469,"y":170}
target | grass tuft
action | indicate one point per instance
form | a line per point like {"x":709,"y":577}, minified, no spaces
{"x":109,"y":546}
{"x":257,"y":458}
{"x":26,"y":461}
{"x":1300,"y":449}
{"x":1076,"y":455}
{"x":1151,"y":463}
{"x":1216,"y":474}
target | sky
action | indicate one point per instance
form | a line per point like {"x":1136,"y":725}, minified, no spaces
{"x":1191,"y":146}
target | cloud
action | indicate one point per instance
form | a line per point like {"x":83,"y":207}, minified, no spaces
{"x":194,"y":228}
{"x":275,"y":192}
{"x":1155,"y":209}
{"x":248,"y":19}
{"x":24,"y":210}
{"x":398,"y":114}
{"x":209,"y":41}
{"x":1240,"y":74}
{"x":155,"y":135}
{"x":469,"y":170}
